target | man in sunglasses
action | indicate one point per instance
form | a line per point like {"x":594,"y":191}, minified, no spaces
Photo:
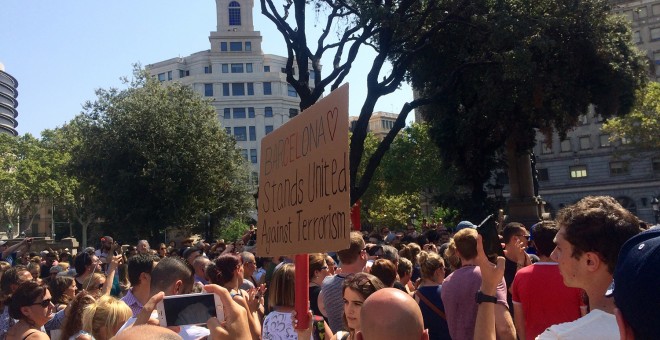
{"x":516,"y":239}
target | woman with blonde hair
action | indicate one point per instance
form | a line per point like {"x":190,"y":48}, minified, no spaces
{"x":427,"y":295}
{"x":105,"y":317}
{"x":281,"y":298}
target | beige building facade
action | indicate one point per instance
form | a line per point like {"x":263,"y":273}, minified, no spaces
{"x":247,"y":87}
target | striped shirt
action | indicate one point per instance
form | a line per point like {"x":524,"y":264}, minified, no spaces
{"x":132,"y":302}
{"x":333,"y":300}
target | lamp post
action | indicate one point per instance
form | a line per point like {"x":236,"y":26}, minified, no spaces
{"x":655,"y":204}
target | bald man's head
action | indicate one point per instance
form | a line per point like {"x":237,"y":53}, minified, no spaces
{"x":388,"y":304}
{"x":147,"y":332}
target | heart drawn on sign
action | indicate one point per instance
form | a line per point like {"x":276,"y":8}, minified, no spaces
{"x":332,"y":117}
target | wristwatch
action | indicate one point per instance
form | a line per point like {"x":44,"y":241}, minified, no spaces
{"x":481,"y":297}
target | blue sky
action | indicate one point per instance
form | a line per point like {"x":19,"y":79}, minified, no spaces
{"x":61,"y":51}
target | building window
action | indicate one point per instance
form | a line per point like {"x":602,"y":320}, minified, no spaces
{"x":250,"y":89}
{"x":268,"y":129}
{"x":248,"y":46}
{"x":268,"y":111}
{"x":292,"y":92}
{"x":642,"y":12}
{"x":235,"y":46}
{"x":225,"y":89}
{"x":208,"y":90}
{"x":248,"y":67}
{"x":543,"y":175}
{"x":225,"y":68}
{"x":161,"y":76}
{"x":240,"y":133}
{"x":228,"y":131}
{"x":637,"y":37}
{"x":253,"y":156}
{"x":169,"y":75}
{"x":565,"y":145}
{"x":183,"y":73}
{"x":578,"y":171}
{"x":266,"y":68}
{"x":656,"y":166}
{"x":250,"y":112}
{"x":545,"y":148}
{"x":604,"y":141}
{"x":208,"y":69}
{"x":227,"y":113}
{"x":236,"y":68}
{"x":585,"y":143}
{"x":237,"y":89}
{"x":253,"y":133}
{"x":655,"y":33}
{"x":239,"y":113}
{"x":267,"y":88}
{"x":234,"y":14}
{"x":655,"y":9}
{"x":293,"y":113}
{"x":628,"y":15}
{"x":244,"y":153}
{"x":223,"y":46}
{"x":619,"y":168}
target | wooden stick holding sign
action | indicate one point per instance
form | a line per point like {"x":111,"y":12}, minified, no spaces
{"x":302,"y":290}
{"x":304,"y":196}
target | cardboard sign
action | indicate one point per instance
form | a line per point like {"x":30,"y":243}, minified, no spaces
{"x":304,"y":190}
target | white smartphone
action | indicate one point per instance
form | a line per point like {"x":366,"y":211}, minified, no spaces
{"x":189,"y":309}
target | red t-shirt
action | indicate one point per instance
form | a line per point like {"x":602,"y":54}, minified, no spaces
{"x":545,"y":300}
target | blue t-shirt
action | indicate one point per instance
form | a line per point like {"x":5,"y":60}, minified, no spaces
{"x":437,"y":326}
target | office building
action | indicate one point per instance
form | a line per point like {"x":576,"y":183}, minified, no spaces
{"x":8,"y":102}
{"x":247,"y":87}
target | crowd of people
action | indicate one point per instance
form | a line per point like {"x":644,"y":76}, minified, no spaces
{"x":594,"y":272}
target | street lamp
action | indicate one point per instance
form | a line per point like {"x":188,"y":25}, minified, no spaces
{"x":655,"y":204}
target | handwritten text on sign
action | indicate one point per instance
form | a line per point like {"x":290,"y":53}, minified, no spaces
{"x":304,"y":185}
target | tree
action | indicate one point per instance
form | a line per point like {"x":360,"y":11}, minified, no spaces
{"x":517,"y":67}
{"x":640,"y":128}
{"x":410,"y":171}
{"x":393,"y":29}
{"x":157,"y":157}
{"x":28,"y":179}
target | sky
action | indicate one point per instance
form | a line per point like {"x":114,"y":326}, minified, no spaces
{"x":61,"y":51}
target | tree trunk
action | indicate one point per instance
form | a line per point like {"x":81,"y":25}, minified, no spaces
{"x":523,"y":205}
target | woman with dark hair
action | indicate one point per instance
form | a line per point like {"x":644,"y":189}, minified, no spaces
{"x":31,"y":305}
{"x":227,"y":271}
{"x":9,"y":282}
{"x":357,"y":288}
{"x":385,"y":271}
{"x":63,"y":290}
{"x":318,"y":270}
{"x":86,"y":264}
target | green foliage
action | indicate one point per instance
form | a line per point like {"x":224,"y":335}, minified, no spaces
{"x":29,"y":178}
{"x":642,"y":126}
{"x":156,"y":157}
{"x":449,"y":216}
{"x":232,"y":231}
{"x":409,"y":171}
{"x":501,"y":69}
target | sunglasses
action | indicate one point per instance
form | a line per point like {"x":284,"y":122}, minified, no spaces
{"x":44,"y":303}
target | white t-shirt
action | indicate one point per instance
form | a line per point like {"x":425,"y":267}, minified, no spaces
{"x":595,"y":325}
{"x":278,"y":326}
{"x":186,"y":332}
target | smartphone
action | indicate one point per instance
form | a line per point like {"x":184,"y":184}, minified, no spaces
{"x":488,"y":231}
{"x":189,"y":309}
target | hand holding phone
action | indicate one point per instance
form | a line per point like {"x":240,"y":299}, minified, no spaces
{"x":189,"y":309}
